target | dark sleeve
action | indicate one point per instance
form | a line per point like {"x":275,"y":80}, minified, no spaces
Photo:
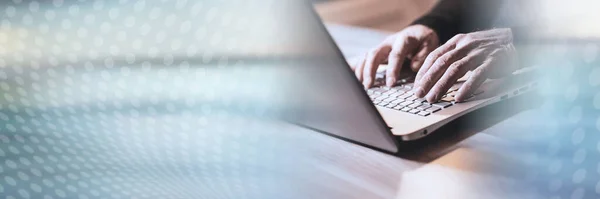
{"x":451,"y":17}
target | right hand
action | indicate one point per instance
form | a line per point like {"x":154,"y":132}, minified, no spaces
{"x":414,"y":42}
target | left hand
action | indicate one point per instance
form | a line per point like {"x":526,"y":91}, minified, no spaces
{"x":490,"y":54}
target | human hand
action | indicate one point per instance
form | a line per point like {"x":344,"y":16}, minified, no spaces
{"x":490,"y":54}
{"x":414,"y":42}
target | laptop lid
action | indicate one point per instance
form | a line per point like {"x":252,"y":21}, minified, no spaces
{"x":330,"y":99}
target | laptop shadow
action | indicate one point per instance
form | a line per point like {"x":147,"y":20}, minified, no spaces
{"x":446,"y":138}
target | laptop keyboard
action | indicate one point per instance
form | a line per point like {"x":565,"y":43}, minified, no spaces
{"x":401,"y":98}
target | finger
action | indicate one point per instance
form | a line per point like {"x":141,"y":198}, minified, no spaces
{"x":454,"y":72}
{"x":419,"y":58}
{"x":396,"y":58}
{"x":477,"y":78}
{"x":434,"y":55}
{"x":436,"y":71}
{"x":358,"y":71}
{"x":372,"y":62}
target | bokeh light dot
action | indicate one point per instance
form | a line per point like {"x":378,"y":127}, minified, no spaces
{"x":554,"y":185}
{"x":594,"y":77}
{"x":579,"y":175}
{"x":572,"y":93}
{"x":575,"y":114}
{"x":578,"y":193}
{"x":10,"y":11}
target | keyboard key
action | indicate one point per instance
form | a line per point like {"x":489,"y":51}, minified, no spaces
{"x":399,"y":107}
{"x":399,"y":90}
{"x":381,"y":98}
{"x":442,"y":104}
{"x":374,"y":94}
{"x":433,"y":109}
{"x":423,"y":113}
{"x":448,"y":99}
{"x":406,"y":109}
{"x":389,"y":92}
{"x":423,"y":107}
{"x":388,"y":99}
{"x":413,"y":111}
{"x":406,"y":103}
{"x":453,"y":88}
{"x":414,"y":105}
{"x":396,"y":94}
{"x":406,"y":88}
{"x":390,"y":105}
{"x":382,"y":104}
{"x":420,"y":100}
{"x":405,"y":95}
{"x":397,"y":101}
{"x":411,"y":98}
{"x":375,"y":89}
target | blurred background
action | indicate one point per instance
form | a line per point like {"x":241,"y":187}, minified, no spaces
{"x":117,"y":99}
{"x":386,"y":15}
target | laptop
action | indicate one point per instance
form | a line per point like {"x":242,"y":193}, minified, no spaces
{"x":334,"y":102}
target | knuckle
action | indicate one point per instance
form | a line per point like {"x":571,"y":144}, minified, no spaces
{"x":426,"y":80}
{"x":455,"y":68}
{"x":440,"y":85}
{"x":498,"y":51}
{"x":442,"y":61}
{"x":479,"y":72}
{"x":465,"y":44}
{"x":429,"y":59}
{"x":433,"y":55}
{"x":457,"y":64}
{"x":458,"y":37}
{"x":468,"y":37}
